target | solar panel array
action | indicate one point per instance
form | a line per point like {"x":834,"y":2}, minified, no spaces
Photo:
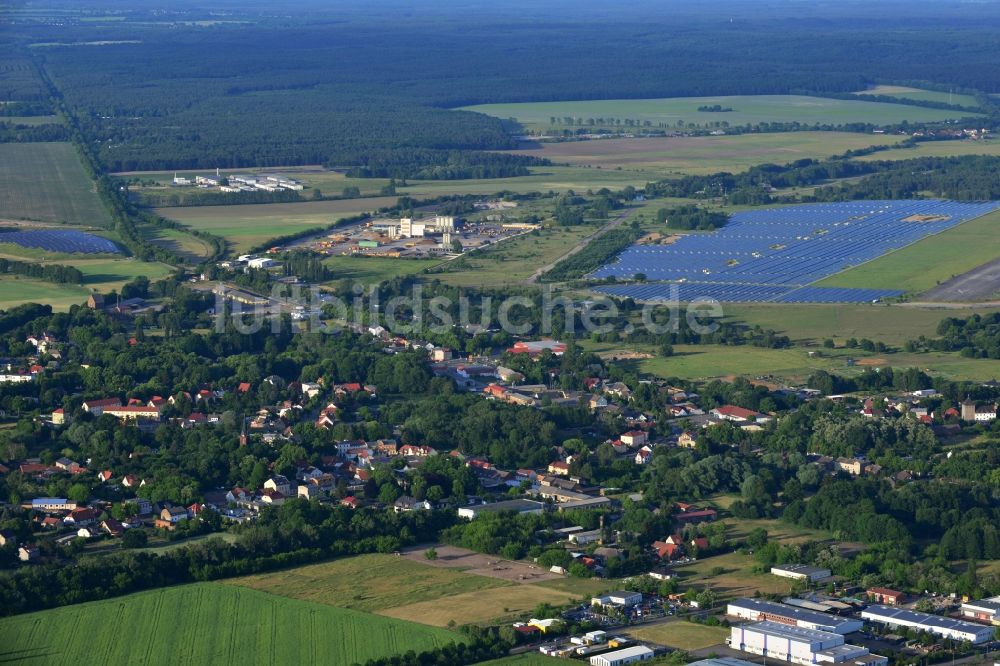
{"x":61,"y":240}
{"x":772,"y":254}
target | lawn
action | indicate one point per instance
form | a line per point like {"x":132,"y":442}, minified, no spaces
{"x":682,"y":635}
{"x":247,"y":225}
{"x":15,"y":290}
{"x":512,"y":260}
{"x":955,"y":148}
{"x":369,"y":582}
{"x":376,"y":269}
{"x":46,"y":182}
{"x":928,"y":262}
{"x":750,"y":109}
{"x":512,"y":602}
{"x":705,"y":154}
{"x":924,"y":95}
{"x":208,"y":623}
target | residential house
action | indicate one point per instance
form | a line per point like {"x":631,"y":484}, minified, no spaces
{"x":687,"y":440}
{"x":28,"y":553}
{"x":279,"y":483}
{"x":738,"y":414}
{"x":407,"y":503}
{"x":558,"y":467}
{"x":852,"y":466}
{"x":634,"y":438}
{"x":97,"y":407}
{"x":644,"y":456}
{"x":80,"y":517}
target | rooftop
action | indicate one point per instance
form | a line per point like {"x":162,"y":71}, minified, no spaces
{"x":784,"y":610}
{"x":787,"y":631}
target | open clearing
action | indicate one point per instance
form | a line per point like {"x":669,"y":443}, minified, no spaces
{"x":476,"y":607}
{"x":45,"y":181}
{"x":368,"y":582}
{"x":906,"y":92}
{"x":376,"y":269}
{"x":16,"y":290}
{"x":208,"y":623}
{"x":747,"y":109}
{"x":181,"y":243}
{"x":682,"y":635}
{"x":957,"y":148}
{"x":480,"y":564}
{"x":712,"y":361}
{"x":705,"y":154}
{"x":930,"y":261}
{"x":247,"y":225}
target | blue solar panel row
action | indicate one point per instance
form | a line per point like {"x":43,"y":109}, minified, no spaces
{"x":60,"y":240}
{"x":789,"y":248}
{"x":744,"y":293}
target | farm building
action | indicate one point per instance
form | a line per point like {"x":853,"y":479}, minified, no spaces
{"x":617,"y":599}
{"x":933,"y":624}
{"x":760,"y":610}
{"x":517,"y":505}
{"x":801,"y":572}
{"x":628,"y":655}
{"x":984,"y":610}
{"x":800,"y":646}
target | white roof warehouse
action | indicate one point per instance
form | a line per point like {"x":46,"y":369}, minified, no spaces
{"x":934,"y":624}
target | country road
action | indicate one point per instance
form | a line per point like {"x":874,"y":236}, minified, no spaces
{"x":617,"y":222}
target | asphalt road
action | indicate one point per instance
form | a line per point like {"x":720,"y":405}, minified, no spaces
{"x":979,"y":283}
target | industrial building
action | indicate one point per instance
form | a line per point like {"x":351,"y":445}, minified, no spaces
{"x":722,"y":661}
{"x":629,"y":655}
{"x":984,"y":610}
{"x":958,"y":630}
{"x":618,"y":599}
{"x":517,"y":506}
{"x":801,"y":572}
{"x":760,"y":610}
{"x":800,"y":646}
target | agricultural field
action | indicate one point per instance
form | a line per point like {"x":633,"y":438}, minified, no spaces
{"x":747,"y":109}
{"x":258,"y":628}
{"x":813,"y":323}
{"x":958,"y":148}
{"x":46,"y":182}
{"x":930,"y":261}
{"x":16,"y":290}
{"x":369,"y":583}
{"x":513,"y":260}
{"x":246,"y":225}
{"x":906,"y":92}
{"x":181,"y":243}
{"x":674,"y":156}
{"x":794,"y":364}
{"x":682,"y":635}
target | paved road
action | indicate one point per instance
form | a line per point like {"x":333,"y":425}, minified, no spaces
{"x":979,"y":283}
{"x":617,"y":222}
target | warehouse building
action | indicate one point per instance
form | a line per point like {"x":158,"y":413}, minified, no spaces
{"x":626,"y":599}
{"x":801,"y":572}
{"x":760,"y":610}
{"x":722,"y":661}
{"x":958,"y":630}
{"x":984,"y":610}
{"x":800,"y":646}
{"x":629,"y":655}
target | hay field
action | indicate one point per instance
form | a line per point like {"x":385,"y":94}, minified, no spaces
{"x":46,"y":182}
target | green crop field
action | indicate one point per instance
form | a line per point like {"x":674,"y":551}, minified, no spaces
{"x":16,"y":290}
{"x":245,"y":226}
{"x":751,"y":109}
{"x":45,"y":181}
{"x":368,"y":582}
{"x":906,"y":92}
{"x":208,"y":623}
{"x":813,"y":323}
{"x":956,"y":148}
{"x":669,"y":156}
{"x":927,"y":262}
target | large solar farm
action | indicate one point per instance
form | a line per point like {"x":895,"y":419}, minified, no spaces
{"x":61,"y":240}
{"x":775,"y":254}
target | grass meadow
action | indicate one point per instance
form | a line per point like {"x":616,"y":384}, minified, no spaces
{"x":747,"y":109}
{"x":906,"y":92}
{"x":957,"y":148}
{"x":17,"y":290}
{"x":46,"y":182}
{"x":208,"y":623}
{"x":682,"y":635}
{"x":924,"y":264}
